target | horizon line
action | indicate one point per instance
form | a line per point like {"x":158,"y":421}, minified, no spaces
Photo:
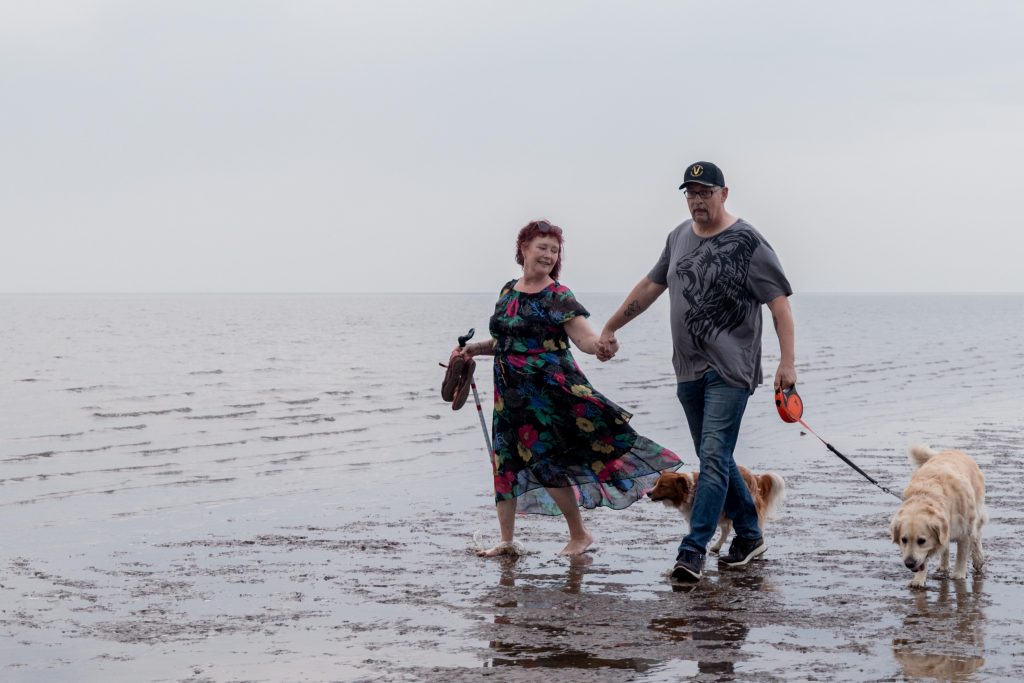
{"x":422,"y":293}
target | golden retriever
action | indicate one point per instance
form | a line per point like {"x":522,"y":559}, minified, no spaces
{"x":944,"y":502}
{"x":676,"y":489}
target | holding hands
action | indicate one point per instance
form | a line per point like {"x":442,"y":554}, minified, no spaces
{"x":607,"y":346}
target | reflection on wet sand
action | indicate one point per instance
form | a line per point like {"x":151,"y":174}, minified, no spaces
{"x":577,"y":570}
{"x":714,"y":624}
{"x":546,"y":656}
{"x":964,"y":620}
{"x":529,"y":657}
{"x":718,"y":632}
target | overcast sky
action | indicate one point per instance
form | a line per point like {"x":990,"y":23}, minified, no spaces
{"x":380,"y":146}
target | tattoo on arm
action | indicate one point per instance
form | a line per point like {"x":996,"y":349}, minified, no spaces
{"x":633,"y":308}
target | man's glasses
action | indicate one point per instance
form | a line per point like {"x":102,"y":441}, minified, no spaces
{"x":704,"y":193}
{"x":546,"y":227}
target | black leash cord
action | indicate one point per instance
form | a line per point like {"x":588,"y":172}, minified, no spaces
{"x":862,"y":472}
{"x":848,"y":461}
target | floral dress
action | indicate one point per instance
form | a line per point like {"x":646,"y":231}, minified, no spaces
{"x":551,"y":428}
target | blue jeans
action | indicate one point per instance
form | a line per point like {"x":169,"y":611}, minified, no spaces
{"x":714,"y":411}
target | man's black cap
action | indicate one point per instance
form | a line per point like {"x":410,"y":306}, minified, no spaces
{"x":705,"y":173}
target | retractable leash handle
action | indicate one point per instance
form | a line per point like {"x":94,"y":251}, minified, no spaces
{"x":791,"y":409}
{"x":789,"y":404}
{"x":466,"y":337}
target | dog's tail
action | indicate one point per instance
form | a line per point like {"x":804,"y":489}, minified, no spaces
{"x":920,"y":454}
{"x":773,"y":491}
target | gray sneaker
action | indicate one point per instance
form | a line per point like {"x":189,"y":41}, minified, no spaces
{"x":689,"y":566}
{"x":742,"y":551}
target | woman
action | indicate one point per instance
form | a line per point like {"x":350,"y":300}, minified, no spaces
{"x":558,"y":444}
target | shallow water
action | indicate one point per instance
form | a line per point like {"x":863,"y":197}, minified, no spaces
{"x":269,"y":488}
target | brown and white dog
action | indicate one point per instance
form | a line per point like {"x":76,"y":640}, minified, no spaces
{"x":676,"y":489}
{"x":944,"y":502}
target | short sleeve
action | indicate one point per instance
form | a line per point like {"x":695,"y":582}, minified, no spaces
{"x":765,"y":277}
{"x":563,"y":305}
{"x":659,"y":273}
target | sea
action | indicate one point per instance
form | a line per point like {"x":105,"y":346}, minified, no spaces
{"x":144,"y":439}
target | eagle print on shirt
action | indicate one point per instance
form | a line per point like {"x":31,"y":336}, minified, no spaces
{"x":714,"y":277}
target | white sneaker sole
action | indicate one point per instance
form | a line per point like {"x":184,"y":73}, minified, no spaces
{"x":753,"y":555}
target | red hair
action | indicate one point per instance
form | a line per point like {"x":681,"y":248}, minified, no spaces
{"x":532,"y":231}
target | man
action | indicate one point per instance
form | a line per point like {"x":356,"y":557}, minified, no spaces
{"x":718,"y":271}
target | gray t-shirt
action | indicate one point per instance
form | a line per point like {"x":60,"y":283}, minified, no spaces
{"x":716,"y":287}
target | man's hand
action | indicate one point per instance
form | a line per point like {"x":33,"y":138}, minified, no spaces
{"x":785,"y":376}
{"x":607,"y":346}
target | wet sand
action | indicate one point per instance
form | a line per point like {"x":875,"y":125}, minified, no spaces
{"x":392,"y":596}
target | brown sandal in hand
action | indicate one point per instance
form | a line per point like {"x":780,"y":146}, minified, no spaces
{"x":465,"y":382}
{"x":452,"y":377}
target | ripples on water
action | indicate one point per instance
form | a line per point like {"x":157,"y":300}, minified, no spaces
{"x":126,"y":405}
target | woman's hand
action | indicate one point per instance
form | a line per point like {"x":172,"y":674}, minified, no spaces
{"x":484,"y":348}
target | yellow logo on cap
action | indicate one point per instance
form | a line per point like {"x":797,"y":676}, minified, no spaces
{"x":697,"y":171}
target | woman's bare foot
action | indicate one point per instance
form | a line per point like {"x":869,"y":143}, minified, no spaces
{"x":503,"y":548}
{"x":577,"y":546}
